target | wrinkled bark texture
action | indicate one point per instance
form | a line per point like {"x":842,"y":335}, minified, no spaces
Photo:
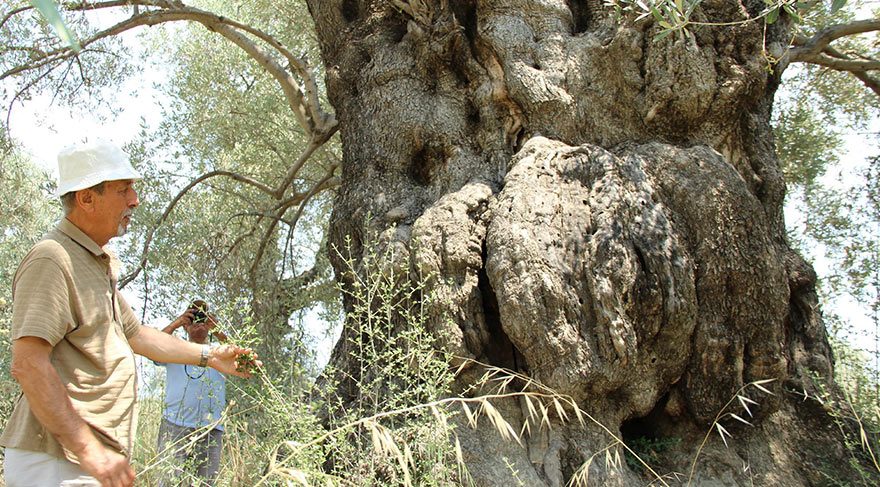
{"x":597,"y":210}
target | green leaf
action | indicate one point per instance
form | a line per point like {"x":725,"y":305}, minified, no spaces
{"x":662,"y":35}
{"x":49,"y":10}
{"x":773,"y":15}
{"x":793,"y":12}
{"x":837,"y":5}
{"x":656,"y":13}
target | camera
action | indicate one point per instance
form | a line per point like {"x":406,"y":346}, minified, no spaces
{"x":200,"y":311}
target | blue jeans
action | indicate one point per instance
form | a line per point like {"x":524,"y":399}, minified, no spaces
{"x":194,"y":454}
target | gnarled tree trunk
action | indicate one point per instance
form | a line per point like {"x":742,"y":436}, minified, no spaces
{"x":600,"y":211}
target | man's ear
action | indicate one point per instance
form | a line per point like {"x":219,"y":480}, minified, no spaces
{"x":85,"y":199}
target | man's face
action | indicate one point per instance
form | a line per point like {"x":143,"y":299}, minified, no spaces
{"x":198,"y":332}
{"x":113,"y":207}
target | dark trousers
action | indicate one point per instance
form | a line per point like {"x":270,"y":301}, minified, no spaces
{"x":193,"y":454}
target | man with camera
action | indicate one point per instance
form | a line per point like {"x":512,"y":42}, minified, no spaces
{"x":191,"y":433}
{"x":74,"y":336}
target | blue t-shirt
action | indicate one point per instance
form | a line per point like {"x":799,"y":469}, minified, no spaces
{"x":194,"y":396}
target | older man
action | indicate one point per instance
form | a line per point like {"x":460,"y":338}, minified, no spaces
{"x":74,"y":336}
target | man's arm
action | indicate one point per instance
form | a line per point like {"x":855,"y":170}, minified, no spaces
{"x":48,"y":400}
{"x":161,"y":347}
{"x":181,"y":320}
{"x":214,"y":329}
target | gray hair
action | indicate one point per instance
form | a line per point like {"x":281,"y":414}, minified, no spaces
{"x":68,"y":200}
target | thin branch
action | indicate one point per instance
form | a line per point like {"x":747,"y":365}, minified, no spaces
{"x":21,"y":93}
{"x":241,"y":238}
{"x":301,"y":198}
{"x":60,"y":84}
{"x":264,"y":214}
{"x":839,"y":64}
{"x":12,"y":13}
{"x":143,"y":260}
{"x":85,"y":6}
{"x":295,"y":168}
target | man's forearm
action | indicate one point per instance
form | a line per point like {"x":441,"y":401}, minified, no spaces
{"x":169,"y":329}
{"x":165,"y":348}
{"x":161,"y":347}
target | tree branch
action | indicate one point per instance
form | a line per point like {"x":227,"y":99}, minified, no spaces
{"x":149,"y":239}
{"x":839,"y":61}
{"x":868,"y":81}
{"x":12,"y":13}
{"x":306,"y":107}
{"x":302,"y":199}
{"x":824,"y":37}
{"x":839,"y":64}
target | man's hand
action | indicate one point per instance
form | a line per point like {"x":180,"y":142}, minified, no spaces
{"x":185,"y":319}
{"x":211,"y":323}
{"x":108,"y":467}
{"x":49,"y":402}
{"x":225,"y":360}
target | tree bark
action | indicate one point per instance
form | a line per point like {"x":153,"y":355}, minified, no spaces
{"x":597,"y":210}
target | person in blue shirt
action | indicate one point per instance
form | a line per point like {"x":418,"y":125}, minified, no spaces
{"x":195,"y":397}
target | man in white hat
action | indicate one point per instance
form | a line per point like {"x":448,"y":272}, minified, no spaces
{"x":74,"y":336}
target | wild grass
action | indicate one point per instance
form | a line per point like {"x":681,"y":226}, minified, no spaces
{"x":402,"y":426}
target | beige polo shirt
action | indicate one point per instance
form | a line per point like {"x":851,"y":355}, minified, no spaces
{"x":64,"y":292}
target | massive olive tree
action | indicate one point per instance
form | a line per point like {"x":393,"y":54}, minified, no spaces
{"x":595,"y":201}
{"x":599,"y":207}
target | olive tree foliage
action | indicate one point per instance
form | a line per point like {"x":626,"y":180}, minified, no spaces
{"x":26,"y":211}
{"x":819,"y":106}
{"x":221,"y":112}
{"x":237,"y":174}
{"x":845,"y":221}
{"x":818,"y":103}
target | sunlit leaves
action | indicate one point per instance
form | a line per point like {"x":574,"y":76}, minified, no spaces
{"x":27,"y":211}
{"x":806,"y":144}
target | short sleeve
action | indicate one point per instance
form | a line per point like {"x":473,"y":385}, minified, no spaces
{"x":41,"y":301}
{"x":130,"y":322}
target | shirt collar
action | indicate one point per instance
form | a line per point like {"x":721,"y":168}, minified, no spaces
{"x":67,"y":227}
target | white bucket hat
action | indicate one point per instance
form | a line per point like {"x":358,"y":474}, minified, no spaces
{"x":82,"y":166}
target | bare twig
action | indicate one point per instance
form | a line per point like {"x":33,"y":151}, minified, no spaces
{"x":149,"y":239}
{"x":300,"y":198}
